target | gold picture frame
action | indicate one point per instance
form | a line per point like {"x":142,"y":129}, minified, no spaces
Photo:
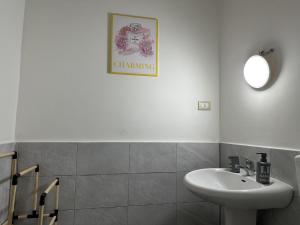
{"x":133,"y":45}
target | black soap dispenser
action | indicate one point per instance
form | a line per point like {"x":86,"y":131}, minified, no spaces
{"x":263,"y":169}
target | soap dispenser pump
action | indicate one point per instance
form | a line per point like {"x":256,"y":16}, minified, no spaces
{"x":263,"y":169}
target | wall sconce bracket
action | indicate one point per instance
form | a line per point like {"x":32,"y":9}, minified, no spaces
{"x":265,"y":53}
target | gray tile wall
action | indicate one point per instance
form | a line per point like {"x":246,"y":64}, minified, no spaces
{"x":135,"y":183}
{"x":282,"y":168}
{"x":5,"y":172}
{"x":121,"y":183}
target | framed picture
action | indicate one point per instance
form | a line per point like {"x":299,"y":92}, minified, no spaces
{"x":133,"y":46}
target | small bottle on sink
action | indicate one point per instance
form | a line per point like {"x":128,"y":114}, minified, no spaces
{"x":263,"y":169}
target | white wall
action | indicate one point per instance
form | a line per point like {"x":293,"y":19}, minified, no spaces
{"x":66,"y":93}
{"x":270,"y":117}
{"x":11,"y":28}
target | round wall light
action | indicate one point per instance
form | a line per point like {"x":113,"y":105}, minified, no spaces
{"x":257,"y":71}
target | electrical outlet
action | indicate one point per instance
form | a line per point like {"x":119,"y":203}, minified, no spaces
{"x":204,"y":105}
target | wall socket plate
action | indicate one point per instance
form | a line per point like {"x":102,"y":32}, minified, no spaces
{"x":204,"y":105}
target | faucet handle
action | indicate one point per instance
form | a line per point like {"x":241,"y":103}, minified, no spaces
{"x":234,"y":164}
{"x":234,"y":158}
{"x":249,"y":164}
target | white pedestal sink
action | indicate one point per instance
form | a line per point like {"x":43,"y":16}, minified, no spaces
{"x":241,"y":196}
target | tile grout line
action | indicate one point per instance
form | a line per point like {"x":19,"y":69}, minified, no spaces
{"x":220,"y":155}
{"x":111,"y":174}
{"x":137,"y":205}
{"x":176,"y":184}
{"x":129,"y":169}
{"x":106,"y":174}
{"x":220,"y":164}
{"x":75,"y":191}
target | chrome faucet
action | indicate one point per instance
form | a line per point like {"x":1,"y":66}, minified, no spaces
{"x":235,"y":165}
{"x":249,"y":167}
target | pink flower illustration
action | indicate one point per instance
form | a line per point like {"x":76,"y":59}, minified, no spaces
{"x":146,"y":48}
{"x":134,"y":38}
{"x":121,"y":42}
{"x":124,"y":30}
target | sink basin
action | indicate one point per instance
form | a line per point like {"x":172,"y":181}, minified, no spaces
{"x":235,"y":190}
{"x":241,"y":195}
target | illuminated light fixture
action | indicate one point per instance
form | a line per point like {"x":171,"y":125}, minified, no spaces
{"x":257,"y":70}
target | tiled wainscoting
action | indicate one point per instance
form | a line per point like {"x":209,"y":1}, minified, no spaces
{"x":5,"y":166}
{"x":283,"y":167}
{"x":135,"y":183}
{"x":121,"y":183}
